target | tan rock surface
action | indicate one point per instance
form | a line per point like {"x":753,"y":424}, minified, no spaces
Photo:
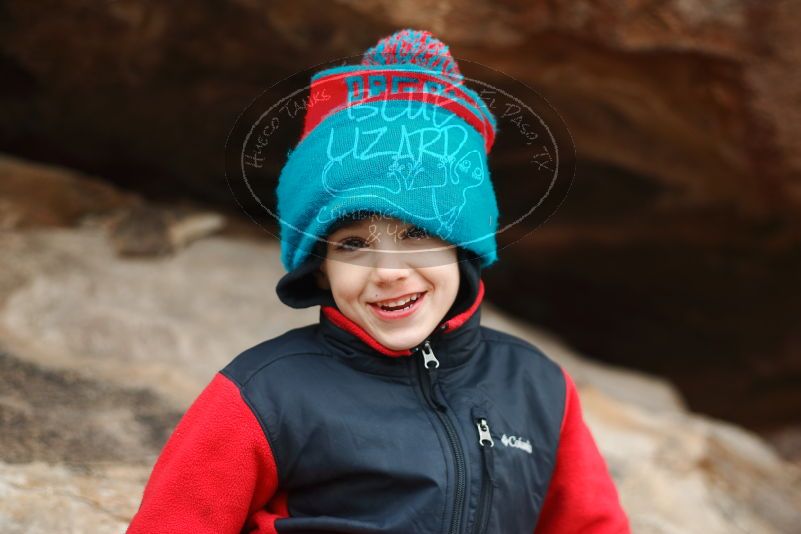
{"x":169,"y":324}
{"x":684,"y":214}
{"x":35,"y":195}
{"x":40,"y":498}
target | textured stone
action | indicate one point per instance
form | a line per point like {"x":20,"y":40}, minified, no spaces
{"x":168,"y":324}
{"x":682,"y":224}
{"x":35,"y":195}
{"x":42,"y":498}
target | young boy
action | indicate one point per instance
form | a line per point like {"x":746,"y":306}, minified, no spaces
{"x":397,"y":412}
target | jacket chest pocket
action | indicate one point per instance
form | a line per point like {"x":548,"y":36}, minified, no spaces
{"x":486,"y":492}
{"x":514,"y":471}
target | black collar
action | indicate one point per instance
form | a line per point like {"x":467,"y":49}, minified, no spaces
{"x":452,"y":341}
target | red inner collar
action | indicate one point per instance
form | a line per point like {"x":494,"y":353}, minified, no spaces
{"x":339,"y":319}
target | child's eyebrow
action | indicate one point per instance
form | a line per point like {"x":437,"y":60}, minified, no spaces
{"x":339,"y":233}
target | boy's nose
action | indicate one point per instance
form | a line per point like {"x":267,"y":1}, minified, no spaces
{"x":390,"y":266}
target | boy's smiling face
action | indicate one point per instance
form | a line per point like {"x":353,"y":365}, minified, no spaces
{"x":374,"y":267}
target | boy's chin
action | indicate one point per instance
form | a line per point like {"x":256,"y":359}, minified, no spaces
{"x":400,"y":341}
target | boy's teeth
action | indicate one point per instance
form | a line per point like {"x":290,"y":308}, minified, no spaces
{"x":399,"y":302}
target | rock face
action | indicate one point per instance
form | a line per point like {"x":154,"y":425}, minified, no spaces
{"x":677,"y":251}
{"x":127,"y":344}
{"x":76,"y":420}
{"x":35,"y":195}
{"x":684,"y":215}
{"x":696,"y":96}
{"x":700,"y":97}
{"x":177,"y":340}
{"x":76,"y":452}
{"x":40,"y":498}
{"x":101,"y":353}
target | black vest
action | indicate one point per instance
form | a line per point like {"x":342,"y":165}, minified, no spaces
{"x":365,"y":442}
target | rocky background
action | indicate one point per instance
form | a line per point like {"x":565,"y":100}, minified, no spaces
{"x":667,"y":282}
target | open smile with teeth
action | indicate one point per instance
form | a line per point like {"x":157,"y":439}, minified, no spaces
{"x":398,"y":305}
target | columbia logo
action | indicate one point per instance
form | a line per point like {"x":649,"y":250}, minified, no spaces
{"x":514,"y":441}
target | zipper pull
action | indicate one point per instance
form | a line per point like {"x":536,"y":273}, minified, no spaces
{"x":429,"y":374}
{"x":429,"y":360}
{"x":484,"y":435}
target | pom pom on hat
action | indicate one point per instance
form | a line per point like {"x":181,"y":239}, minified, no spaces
{"x":414,"y":47}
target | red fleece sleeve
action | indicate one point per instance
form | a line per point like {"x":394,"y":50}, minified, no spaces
{"x":214,"y":472}
{"x":581,"y":496}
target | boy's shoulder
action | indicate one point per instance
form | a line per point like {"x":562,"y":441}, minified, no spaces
{"x":498,"y":336}
{"x":519,"y":346}
{"x":252,"y":361}
{"x":491,"y":334}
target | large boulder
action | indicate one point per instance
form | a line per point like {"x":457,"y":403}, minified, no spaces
{"x":115,"y":344}
{"x":682,"y":225}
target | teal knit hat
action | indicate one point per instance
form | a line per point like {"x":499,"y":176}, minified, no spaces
{"x":399,"y":135}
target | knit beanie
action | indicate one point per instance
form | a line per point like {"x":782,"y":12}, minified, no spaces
{"x":400,"y":135}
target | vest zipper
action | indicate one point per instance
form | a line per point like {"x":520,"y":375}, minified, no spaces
{"x":488,"y":482}
{"x":426,"y":370}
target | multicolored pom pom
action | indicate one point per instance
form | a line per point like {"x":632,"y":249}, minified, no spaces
{"x":414,"y":47}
